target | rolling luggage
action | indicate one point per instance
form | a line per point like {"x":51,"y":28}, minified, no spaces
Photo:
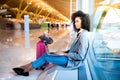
{"x":41,"y":48}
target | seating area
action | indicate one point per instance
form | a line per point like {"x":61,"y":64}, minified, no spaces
{"x":61,"y":73}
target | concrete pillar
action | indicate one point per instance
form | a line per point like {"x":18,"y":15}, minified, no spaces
{"x":88,"y":8}
{"x":26,"y":23}
{"x":79,"y":5}
{"x":85,"y":5}
{"x":26,"y":31}
{"x":90,"y":11}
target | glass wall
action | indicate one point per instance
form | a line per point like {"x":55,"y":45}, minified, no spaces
{"x":104,"y":59}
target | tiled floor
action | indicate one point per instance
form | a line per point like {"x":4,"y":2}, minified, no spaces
{"x":15,"y":52}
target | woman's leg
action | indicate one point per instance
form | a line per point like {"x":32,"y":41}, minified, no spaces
{"x":55,"y":59}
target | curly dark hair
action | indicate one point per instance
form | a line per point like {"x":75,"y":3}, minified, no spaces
{"x":85,"y":20}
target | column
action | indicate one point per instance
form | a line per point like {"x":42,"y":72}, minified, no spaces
{"x":79,"y":5}
{"x":90,"y":9}
{"x":26,"y":31}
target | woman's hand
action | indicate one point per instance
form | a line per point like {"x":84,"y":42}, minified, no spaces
{"x":60,"y":53}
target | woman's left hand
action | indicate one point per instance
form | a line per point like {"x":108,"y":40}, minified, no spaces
{"x":60,"y":53}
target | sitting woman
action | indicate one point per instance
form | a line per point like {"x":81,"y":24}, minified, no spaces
{"x":72,"y":58}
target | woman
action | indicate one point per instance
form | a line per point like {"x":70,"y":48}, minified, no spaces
{"x":72,"y":58}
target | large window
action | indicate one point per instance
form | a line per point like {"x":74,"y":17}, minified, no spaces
{"x":105,"y":59}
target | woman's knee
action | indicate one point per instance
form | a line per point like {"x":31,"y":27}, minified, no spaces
{"x":45,"y":54}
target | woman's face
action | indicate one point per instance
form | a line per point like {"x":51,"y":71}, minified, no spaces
{"x":78,"y":23}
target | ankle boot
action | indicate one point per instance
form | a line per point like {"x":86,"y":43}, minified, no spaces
{"x":20,"y":71}
{"x":23,"y":70}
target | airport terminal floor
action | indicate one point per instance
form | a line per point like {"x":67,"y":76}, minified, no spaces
{"x":104,"y":61}
{"x":14,"y":52}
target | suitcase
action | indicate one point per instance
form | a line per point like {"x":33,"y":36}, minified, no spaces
{"x":40,"y":50}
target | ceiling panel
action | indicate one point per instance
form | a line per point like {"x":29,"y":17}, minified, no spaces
{"x":61,"y":6}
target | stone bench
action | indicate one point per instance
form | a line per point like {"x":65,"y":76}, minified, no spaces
{"x":60,"y":73}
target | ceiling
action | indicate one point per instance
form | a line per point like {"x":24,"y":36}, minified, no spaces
{"x":55,"y":8}
{"x":59,"y":7}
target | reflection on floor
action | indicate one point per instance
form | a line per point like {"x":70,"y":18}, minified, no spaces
{"x":13,"y":50}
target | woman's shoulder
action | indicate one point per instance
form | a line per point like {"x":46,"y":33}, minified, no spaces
{"x":84,"y":32}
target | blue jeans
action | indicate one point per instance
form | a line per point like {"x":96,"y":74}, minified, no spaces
{"x":55,"y":59}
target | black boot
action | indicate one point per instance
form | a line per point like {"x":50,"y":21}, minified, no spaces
{"x":20,"y":71}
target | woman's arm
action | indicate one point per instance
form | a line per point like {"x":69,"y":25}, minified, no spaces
{"x":66,"y":51}
{"x":80,"y":48}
